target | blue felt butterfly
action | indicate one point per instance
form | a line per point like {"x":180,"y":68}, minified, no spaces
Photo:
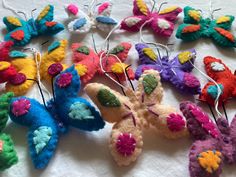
{"x":21,"y":31}
{"x":46,"y":123}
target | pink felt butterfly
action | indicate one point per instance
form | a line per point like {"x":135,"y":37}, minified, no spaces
{"x":87,"y":61}
{"x":161,"y":22}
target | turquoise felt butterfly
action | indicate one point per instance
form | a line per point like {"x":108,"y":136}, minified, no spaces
{"x":195,"y":27}
{"x":21,"y":31}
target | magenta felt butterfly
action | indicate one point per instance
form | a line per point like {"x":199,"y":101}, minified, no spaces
{"x":161,"y":22}
{"x":215,"y":144}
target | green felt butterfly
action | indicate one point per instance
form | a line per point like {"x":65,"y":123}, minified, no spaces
{"x":195,"y":27}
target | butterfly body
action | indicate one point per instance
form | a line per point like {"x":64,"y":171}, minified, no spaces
{"x":214,"y":143}
{"x":47,"y":123}
{"x":195,"y":27}
{"x":131,"y":113}
{"x":223,"y":76}
{"x":177,"y":70}
{"x":162,"y":23}
{"x":21,"y":31}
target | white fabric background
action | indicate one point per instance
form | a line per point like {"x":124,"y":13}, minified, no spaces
{"x":87,"y":154}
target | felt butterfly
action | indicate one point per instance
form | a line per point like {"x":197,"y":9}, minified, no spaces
{"x":176,"y":71}
{"x":87,"y":61}
{"x":131,"y":113}
{"x":21,"y":31}
{"x":226,"y":80}
{"x":100,"y":18}
{"x":195,"y":27}
{"x":15,"y":68}
{"x":46,"y":122}
{"x":162,"y":23}
{"x":8,"y":156}
{"x":215,"y":144}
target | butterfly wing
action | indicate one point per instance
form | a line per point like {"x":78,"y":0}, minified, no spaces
{"x":45,"y":24}
{"x":19,"y":32}
{"x":224,"y":22}
{"x":179,"y":73}
{"x":43,"y":130}
{"x":218,"y":71}
{"x":111,"y":64}
{"x":147,"y":59}
{"x":86,"y":61}
{"x":51,"y":61}
{"x":5,"y":48}
{"x":164,"y":118}
{"x":191,"y":29}
{"x":199,"y":125}
{"x":126,"y":137}
{"x":80,"y":24}
{"x":205,"y":158}
{"x":71,"y":109}
{"x":103,"y":20}
{"x":141,"y":13}
{"x":163,"y":23}
{"x":223,"y":37}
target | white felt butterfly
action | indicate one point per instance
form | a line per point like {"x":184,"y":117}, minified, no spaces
{"x":96,"y":17}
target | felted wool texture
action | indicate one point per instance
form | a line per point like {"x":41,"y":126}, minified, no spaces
{"x":8,"y":156}
{"x":55,"y":55}
{"x":132,"y":113}
{"x":176,"y":71}
{"x":195,"y":27}
{"x":99,"y":18}
{"x":210,"y":137}
{"x":26,"y":66}
{"x":45,"y":123}
{"x":162,"y":23}
{"x":222,"y":74}
{"x":21,"y":31}
{"x":88,"y":68}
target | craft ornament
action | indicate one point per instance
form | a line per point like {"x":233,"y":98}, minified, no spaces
{"x":21,"y":31}
{"x":214,"y":144}
{"x":177,"y":71}
{"x":8,"y":156}
{"x":131,"y":113}
{"x":82,"y":22}
{"x":223,"y":76}
{"x":161,"y":22}
{"x":15,"y":68}
{"x":195,"y":27}
{"x":64,"y":110}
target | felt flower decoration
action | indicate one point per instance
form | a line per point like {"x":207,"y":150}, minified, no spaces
{"x":195,"y":27}
{"x":161,"y":22}
{"x":223,"y":76}
{"x":130,"y":114}
{"x":177,"y":71}
{"x":46,"y":122}
{"x":99,"y":18}
{"x":21,"y":31}
{"x":8,"y":156}
{"x":87,"y":61}
{"x":15,"y":68}
{"x":214,"y":144}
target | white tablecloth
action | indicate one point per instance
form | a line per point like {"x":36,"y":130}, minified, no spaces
{"x":87,"y":154}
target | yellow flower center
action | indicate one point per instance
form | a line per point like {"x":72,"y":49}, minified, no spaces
{"x":210,"y":160}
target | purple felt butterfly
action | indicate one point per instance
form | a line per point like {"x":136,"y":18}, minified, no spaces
{"x":177,"y":71}
{"x":214,"y":145}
